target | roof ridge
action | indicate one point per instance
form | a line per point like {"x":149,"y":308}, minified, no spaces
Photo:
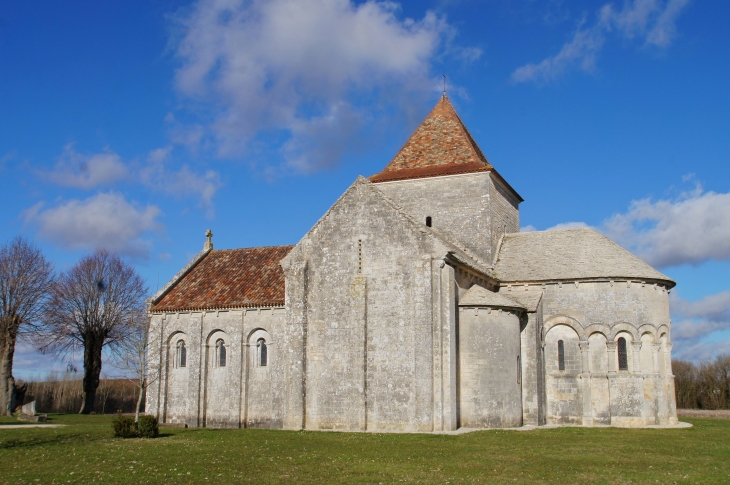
{"x":256,"y":247}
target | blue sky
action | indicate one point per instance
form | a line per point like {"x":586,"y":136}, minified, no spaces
{"x":136,"y":126}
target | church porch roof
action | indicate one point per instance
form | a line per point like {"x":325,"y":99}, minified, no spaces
{"x":478,"y":296}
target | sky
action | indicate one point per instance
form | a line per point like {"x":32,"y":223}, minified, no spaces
{"x":136,"y":126}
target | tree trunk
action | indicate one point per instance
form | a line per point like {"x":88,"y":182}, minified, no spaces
{"x":92,"y":371}
{"x":7,"y":382}
{"x":139,"y":400}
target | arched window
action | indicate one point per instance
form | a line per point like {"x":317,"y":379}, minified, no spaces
{"x":561,"y":355}
{"x":220,"y":353}
{"x":428,"y":221}
{"x":263,"y":352}
{"x":182,"y":354}
{"x":623,"y":360}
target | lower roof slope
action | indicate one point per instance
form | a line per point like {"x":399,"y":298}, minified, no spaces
{"x":567,"y":255}
{"x":478,"y":296}
{"x":231,"y":278}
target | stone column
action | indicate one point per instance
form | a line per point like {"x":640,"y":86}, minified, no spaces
{"x":655,"y":354}
{"x":295,"y":341}
{"x":668,"y":394}
{"x":358,"y":316}
{"x":585,"y":377}
{"x":636,"y":356}
{"x":449,"y":356}
{"x":667,"y":354}
{"x":611,"y":351}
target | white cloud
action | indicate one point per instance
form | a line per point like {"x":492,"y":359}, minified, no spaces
{"x":567,"y":225}
{"x":651,"y":21}
{"x":693,"y":228}
{"x":700,"y":328}
{"x":302,"y":71}
{"x":87,"y":171}
{"x":181,"y":183}
{"x":105,"y":220}
{"x":556,"y":227}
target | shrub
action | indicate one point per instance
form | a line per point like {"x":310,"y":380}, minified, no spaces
{"x":124,"y":427}
{"x":148,"y":427}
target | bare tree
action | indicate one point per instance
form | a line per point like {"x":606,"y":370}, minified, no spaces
{"x":25,"y":279}
{"x":92,"y":306}
{"x":132,"y":356}
{"x":104,"y":390}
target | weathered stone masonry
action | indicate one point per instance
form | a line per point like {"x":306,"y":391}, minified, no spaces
{"x":415,"y":304}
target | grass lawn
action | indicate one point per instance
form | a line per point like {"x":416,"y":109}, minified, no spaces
{"x":85,"y":452}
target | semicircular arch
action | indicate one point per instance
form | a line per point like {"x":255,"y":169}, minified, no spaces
{"x":214,"y":332}
{"x":176,"y":334}
{"x":650,"y":329}
{"x":597,"y":328}
{"x":259,"y":332}
{"x":627,"y":327}
{"x":567,"y":321}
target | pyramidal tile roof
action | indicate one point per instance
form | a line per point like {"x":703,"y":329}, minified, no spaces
{"x":441,"y":145}
{"x":230,"y":278}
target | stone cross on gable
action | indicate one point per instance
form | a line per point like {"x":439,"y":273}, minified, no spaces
{"x":208,"y":240}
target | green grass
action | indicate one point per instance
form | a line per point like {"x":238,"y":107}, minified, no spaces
{"x":12,"y":420}
{"x":85,"y":452}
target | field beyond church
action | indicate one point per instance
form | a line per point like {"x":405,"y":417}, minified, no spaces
{"x":84,"y":451}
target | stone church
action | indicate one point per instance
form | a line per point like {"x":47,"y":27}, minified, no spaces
{"x":415,"y":304}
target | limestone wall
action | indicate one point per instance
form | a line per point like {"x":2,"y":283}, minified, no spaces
{"x":368,"y":318}
{"x":459,"y":207}
{"x":591,"y":318}
{"x":505,"y":214}
{"x":490,"y":368}
{"x":211,"y":390}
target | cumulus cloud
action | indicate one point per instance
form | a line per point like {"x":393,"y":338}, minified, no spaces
{"x":691,"y":229}
{"x":87,"y":171}
{"x":90,"y":171}
{"x":303,"y":72}
{"x":700,"y":327}
{"x":106,"y":220}
{"x":181,"y":183}
{"x":652,"y":22}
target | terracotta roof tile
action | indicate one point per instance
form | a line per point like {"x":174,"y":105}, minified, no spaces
{"x":230,"y":278}
{"x":440,"y":146}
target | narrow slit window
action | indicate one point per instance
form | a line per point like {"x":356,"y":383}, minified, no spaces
{"x":623,"y":361}
{"x":428,"y":221}
{"x":263,"y":353}
{"x":220,"y":352}
{"x":561,"y":355}
{"x":519,"y":371}
{"x":182,"y":357}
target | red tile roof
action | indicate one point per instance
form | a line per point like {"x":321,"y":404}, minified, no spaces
{"x":440,"y":146}
{"x":231,"y":278}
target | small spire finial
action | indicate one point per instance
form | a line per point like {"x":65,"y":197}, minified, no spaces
{"x":444,"y":75}
{"x":208,"y":240}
